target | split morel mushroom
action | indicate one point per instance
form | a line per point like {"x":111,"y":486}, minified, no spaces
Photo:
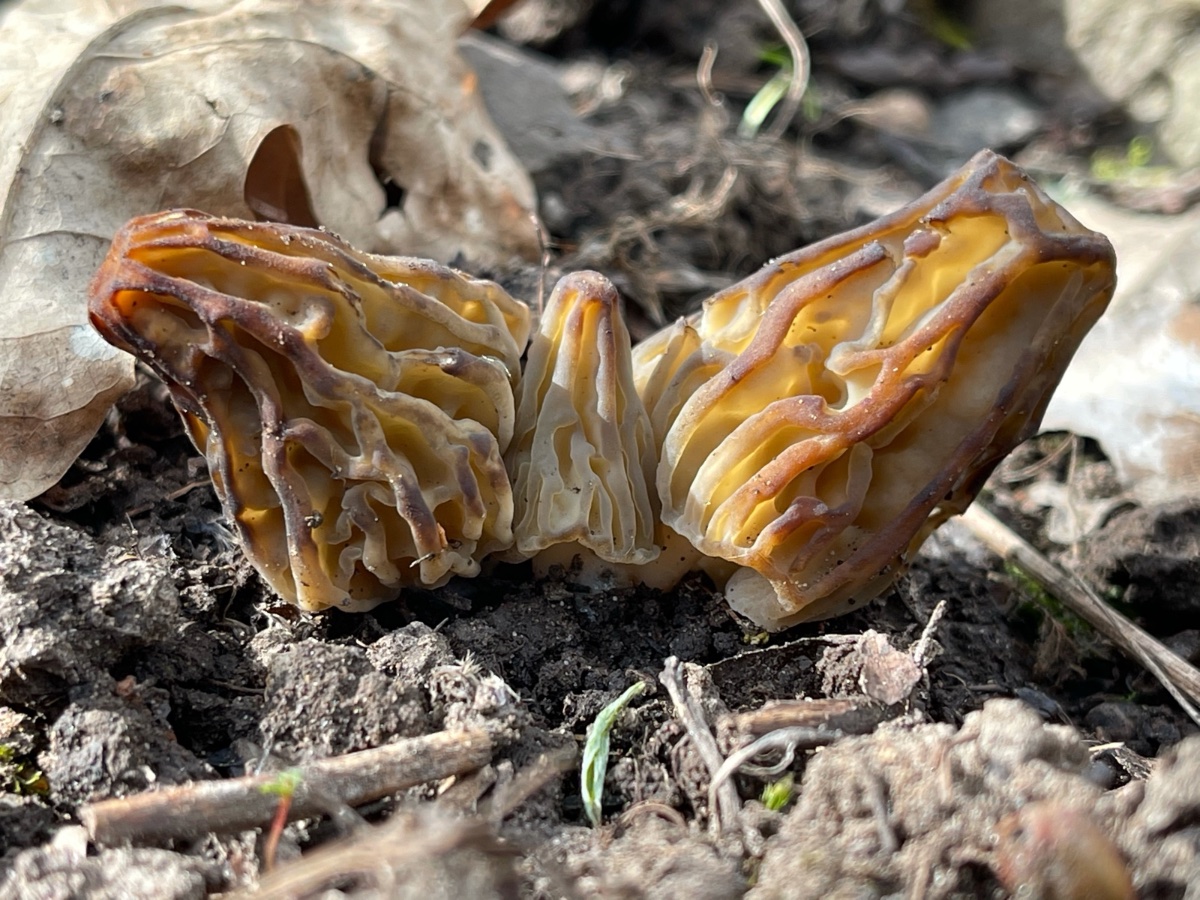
{"x":798,"y":438}
{"x":826,"y":414}
{"x":354,"y":409}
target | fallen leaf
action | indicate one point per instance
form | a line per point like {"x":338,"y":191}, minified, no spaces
{"x":1134,"y":385}
{"x":356,"y":116}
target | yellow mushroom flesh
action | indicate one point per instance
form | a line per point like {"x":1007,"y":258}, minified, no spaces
{"x":798,"y":438}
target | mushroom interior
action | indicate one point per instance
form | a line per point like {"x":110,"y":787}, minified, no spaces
{"x":583,"y":458}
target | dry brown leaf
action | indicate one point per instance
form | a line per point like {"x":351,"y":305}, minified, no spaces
{"x":265,"y":109}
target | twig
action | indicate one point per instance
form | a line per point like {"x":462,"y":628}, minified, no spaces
{"x":801,"y":65}
{"x":236,"y":804}
{"x":416,"y":836}
{"x":651,"y":808}
{"x":723,"y":801}
{"x":857,"y":715}
{"x":1177,"y":675}
{"x":920,"y":652}
{"x":403,"y":841}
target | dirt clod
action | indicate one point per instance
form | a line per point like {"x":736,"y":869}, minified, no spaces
{"x":70,"y":608}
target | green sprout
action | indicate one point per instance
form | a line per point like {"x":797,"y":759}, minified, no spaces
{"x":284,"y":784}
{"x":20,"y":776}
{"x":1132,"y":165}
{"x":776,"y":88}
{"x":595,"y":753}
{"x":777,"y":794}
{"x":764,"y":101}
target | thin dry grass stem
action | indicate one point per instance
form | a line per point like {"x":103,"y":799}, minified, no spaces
{"x":723,"y":799}
{"x":1012,"y":476}
{"x":235,"y":804}
{"x":651,"y":808}
{"x":923,"y":648}
{"x":174,"y":495}
{"x":704,"y":73}
{"x":801,"y":65}
{"x":785,"y":740}
{"x":1177,"y":675}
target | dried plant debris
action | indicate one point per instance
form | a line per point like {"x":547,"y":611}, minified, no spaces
{"x":359,"y":117}
{"x":927,"y":811}
{"x":806,"y":430}
{"x":353,"y":408}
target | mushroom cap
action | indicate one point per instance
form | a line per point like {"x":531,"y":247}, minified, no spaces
{"x":583,"y":456}
{"x":353,"y":408}
{"x":861,"y":390}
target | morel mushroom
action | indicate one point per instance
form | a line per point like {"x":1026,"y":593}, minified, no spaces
{"x":583,"y":458}
{"x":354,"y":409}
{"x":856,"y":393}
{"x":811,"y":425}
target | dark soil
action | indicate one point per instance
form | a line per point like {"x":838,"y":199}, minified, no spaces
{"x":142,"y":651}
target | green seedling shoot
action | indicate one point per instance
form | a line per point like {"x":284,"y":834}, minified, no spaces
{"x":595,"y":753}
{"x":777,"y":794}
{"x":283,"y":784}
{"x":769,"y":95}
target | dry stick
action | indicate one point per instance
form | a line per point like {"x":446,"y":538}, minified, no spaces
{"x":920,"y":652}
{"x":236,"y":804}
{"x":801,"y":65}
{"x":1177,"y":675}
{"x":724,"y":811}
{"x":409,"y":838}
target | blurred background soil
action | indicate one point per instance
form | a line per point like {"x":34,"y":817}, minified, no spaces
{"x":143,"y":651}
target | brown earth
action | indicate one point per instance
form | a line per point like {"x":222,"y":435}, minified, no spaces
{"x":143,"y":651}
